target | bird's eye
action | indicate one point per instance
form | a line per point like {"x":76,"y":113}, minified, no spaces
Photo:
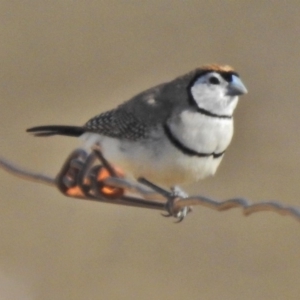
{"x":214,"y":80}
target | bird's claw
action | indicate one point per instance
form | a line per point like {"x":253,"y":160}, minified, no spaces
{"x":176,"y":195}
{"x":172,"y":197}
{"x":179,"y":214}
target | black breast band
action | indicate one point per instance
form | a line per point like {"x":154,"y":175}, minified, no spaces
{"x":210,"y":114}
{"x":185,"y":150}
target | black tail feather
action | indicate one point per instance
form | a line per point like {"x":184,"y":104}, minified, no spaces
{"x":57,"y":130}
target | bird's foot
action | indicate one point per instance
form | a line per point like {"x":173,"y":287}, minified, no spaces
{"x":172,"y":198}
{"x":179,"y":213}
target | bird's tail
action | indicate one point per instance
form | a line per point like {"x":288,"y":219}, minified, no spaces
{"x":56,"y":130}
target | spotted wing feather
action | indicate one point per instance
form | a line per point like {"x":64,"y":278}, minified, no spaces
{"x":117,"y":123}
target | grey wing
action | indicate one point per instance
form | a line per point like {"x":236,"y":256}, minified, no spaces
{"x":118,"y":123}
{"x":134,"y":119}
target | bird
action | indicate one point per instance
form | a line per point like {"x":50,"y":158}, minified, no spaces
{"x":174,"y":133}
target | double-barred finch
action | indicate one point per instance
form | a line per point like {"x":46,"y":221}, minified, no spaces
{"x":172,"y":133}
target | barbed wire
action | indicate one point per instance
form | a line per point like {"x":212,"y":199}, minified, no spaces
{"x":72,"y":182}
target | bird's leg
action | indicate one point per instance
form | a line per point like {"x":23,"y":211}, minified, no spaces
{"x":172,"y":197}
{"x":154,"y":187}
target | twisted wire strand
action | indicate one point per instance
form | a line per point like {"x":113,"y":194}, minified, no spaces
{"x":246,"y":205}
{"x":25,"y":174}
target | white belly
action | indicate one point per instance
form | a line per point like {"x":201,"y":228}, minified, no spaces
{"x":159,"y":162}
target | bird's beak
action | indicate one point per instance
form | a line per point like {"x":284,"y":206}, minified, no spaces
{"x":236,"y":87}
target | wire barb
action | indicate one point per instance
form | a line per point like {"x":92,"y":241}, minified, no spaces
{"x":79,"y":175}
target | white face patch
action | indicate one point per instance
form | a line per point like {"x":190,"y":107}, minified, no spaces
{"x":210,"y":93}
{"x":208,"y":85}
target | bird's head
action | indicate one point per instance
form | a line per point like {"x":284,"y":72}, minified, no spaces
{"x":215,"y":89}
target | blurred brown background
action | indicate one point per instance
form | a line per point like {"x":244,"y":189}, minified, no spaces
{"x":63,"y":62}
